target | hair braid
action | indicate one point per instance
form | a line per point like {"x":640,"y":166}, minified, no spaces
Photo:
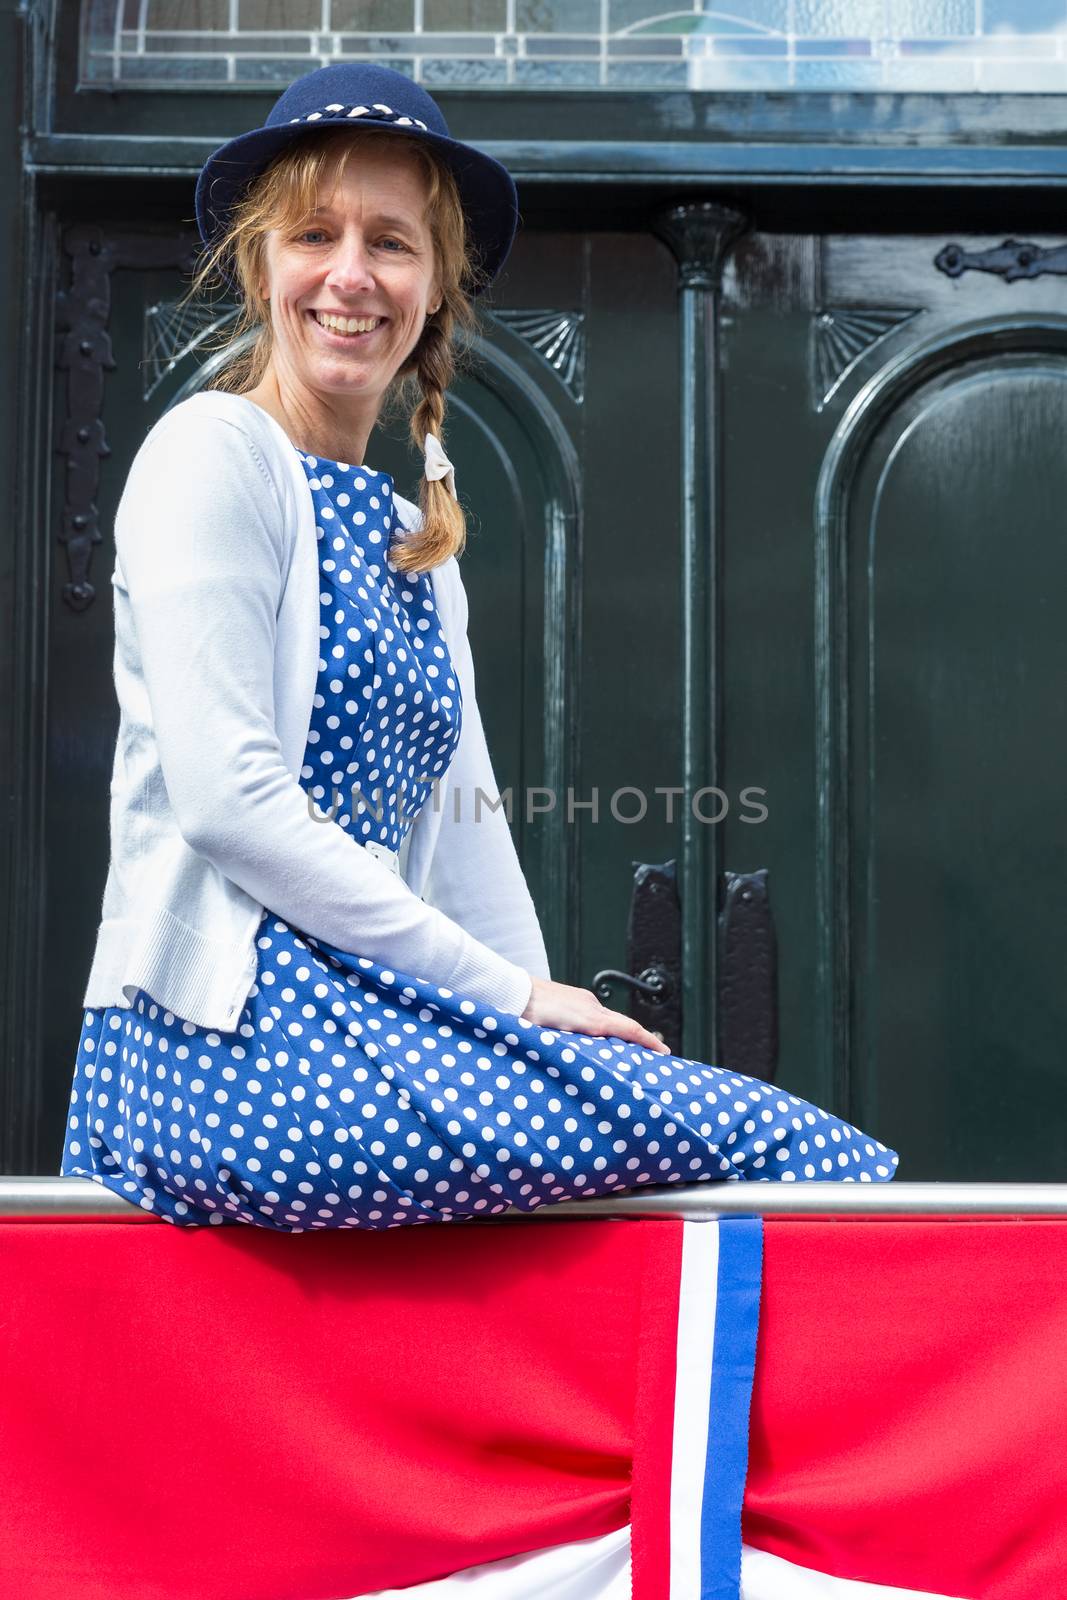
{"x":444,"y":530}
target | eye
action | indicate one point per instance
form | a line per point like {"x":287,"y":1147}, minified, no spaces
{"x":390,"y":239}
{"x":309,"y":235}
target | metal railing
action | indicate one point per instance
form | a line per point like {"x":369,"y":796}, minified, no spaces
{"x":79,"y":1200}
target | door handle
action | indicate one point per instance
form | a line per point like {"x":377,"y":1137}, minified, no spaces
{"x":653,"y":953}
{"x":748,"y":967}
{"x":654,"y":984}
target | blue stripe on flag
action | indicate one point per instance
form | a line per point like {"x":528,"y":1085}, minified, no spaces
{"x":732,"y":1369}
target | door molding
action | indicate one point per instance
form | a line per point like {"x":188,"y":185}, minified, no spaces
{"x":907,"y":371}
{"x":700,"y":235}
{"x":553,"y":846}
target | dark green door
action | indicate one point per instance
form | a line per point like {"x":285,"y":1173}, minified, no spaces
{"x":883,"y":626}
{"x":896,"y":560}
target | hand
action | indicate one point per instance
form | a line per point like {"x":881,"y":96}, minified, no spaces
{"x":560,"y":1005}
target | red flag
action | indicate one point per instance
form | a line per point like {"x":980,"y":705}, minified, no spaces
{"x":237,"y":1413}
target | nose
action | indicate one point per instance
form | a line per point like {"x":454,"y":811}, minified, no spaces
{"x":351,"y":270}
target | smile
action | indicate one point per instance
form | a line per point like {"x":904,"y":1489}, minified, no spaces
{"x":348,"y":326}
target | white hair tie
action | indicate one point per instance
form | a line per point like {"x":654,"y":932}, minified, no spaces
{"x":438,"y":465}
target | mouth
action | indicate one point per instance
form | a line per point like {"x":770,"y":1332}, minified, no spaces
{"x":348,"y":330}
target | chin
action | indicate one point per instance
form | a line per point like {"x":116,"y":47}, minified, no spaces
{"x":341,"y":378}
{"x":344,"y":368}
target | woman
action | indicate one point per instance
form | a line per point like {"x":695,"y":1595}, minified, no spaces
{"x":320,"y":996}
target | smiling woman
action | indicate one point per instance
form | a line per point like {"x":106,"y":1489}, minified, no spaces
{"x":282,"y":1026}
{"x":355,"y":270}
{"x":349,"y":292}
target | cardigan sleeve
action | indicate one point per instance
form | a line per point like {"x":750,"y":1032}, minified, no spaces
{"x":201,"y":549}
{"x":474,"y":873}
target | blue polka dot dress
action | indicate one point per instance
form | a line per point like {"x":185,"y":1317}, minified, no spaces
{"x":354,"y":1096}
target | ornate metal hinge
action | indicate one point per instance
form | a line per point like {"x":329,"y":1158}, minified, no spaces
{"x":1010,"y":260}
{"x":83,"y":315}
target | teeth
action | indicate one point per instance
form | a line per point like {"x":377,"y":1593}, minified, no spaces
{"x":346,"y":324}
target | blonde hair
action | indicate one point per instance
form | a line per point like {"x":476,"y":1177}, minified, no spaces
{"x":282,"y":196}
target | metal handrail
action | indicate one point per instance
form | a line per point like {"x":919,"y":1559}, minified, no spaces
{"x":80,"y":1200}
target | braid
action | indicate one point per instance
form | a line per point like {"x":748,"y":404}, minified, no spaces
{"x":443,"y":533}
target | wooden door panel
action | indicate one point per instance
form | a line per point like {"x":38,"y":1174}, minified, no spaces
{"x":958,"y":679}
{"x":774,"y":445}
{"x":894,"y":490}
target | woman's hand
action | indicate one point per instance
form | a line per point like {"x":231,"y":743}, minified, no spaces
{"x":560,"y":1005}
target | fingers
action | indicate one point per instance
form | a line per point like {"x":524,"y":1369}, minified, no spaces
{"x":557,"y":1005}
{"x":618,"y":1025}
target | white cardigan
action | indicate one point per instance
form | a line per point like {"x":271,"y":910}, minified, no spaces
{"x":216,"y":593}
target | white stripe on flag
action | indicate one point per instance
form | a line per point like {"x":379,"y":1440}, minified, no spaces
{"x":696,"y":1341}
{"x":599,"y":1569}
{"x":587,"y":1569}
{"x":767,"y":1577}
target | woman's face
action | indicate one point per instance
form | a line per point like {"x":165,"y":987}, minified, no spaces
{"x":351,"y":286}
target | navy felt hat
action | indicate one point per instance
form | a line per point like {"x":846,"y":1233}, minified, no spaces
{"x":360,"y":93}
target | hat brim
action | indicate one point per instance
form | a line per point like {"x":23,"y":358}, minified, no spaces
{"x":486,"y":189}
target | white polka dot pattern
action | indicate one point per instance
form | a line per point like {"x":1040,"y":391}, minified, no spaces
{"x":354,"y":1096}
{"x":387,"y":713}
{"x":374,"y":113}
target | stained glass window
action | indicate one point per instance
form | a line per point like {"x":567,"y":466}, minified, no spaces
{"x":983,"y":45}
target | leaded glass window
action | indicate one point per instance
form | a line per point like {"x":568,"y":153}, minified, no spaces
{"x":953,"y":45}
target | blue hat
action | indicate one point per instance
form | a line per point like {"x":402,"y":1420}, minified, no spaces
{"x":351,"y":94}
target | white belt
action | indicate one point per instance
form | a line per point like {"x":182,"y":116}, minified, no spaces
{"x":388,"y":858}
